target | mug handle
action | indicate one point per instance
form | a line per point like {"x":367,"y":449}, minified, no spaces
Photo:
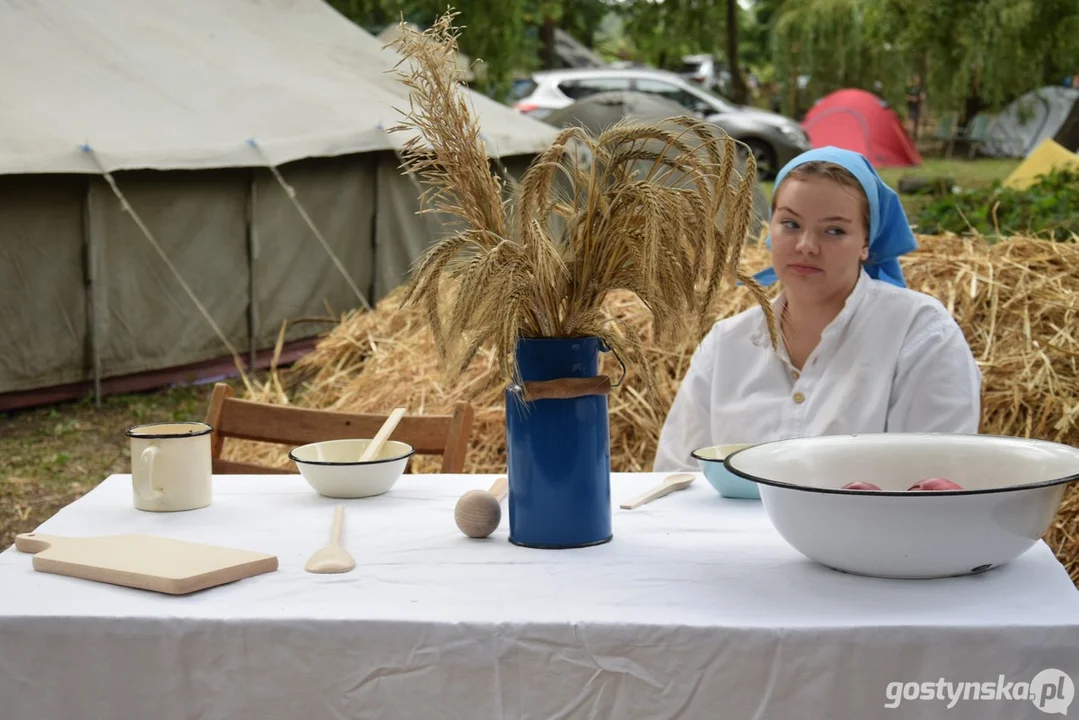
{"x":145,"y":485}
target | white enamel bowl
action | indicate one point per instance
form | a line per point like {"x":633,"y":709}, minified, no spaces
{"x":1012,"y":488}
{"x":333,"y":468}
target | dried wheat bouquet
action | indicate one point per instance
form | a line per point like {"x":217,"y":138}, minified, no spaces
{"x":658,"y":210}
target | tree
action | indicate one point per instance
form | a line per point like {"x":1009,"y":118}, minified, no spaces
{"x":976,"y":54}
{"x":492,"y":31}
{"x":663,"y":31}
{"x":508,"y":36}
{"x":738,"y":84}
{"x":754,"y":33}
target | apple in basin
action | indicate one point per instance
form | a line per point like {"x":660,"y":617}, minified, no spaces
{"x":935,"y":484}
{"x":859,"y":485}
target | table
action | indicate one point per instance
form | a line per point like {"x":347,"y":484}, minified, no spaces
{"x":696,"y":609}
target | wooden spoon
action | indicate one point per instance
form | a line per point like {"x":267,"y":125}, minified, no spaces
{"x":678,"y":481}
{"x":332,"y":558}
{"x":384,"y":432}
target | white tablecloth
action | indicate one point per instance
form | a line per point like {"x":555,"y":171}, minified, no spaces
{"x":696,"y":609}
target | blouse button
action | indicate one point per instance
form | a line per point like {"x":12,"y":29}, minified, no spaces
{"x":795,"y":374}
{"x":799,"y":398}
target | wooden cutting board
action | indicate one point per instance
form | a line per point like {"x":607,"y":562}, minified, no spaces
{"x":175,"y":567}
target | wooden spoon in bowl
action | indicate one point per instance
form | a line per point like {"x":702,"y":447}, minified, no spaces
{"x":384,"y":432}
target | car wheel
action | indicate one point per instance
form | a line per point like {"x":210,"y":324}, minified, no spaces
{"x":765,"y":157}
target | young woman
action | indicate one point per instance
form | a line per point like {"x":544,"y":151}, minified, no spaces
{"x":859,"y":351}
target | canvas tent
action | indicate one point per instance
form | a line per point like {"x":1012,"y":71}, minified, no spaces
{"x":860,"y":121}
{"x":1045,"y":158}
{"x":165,"y":97}
{"x":1029,"y":120}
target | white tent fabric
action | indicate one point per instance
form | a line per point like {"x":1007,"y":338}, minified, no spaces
{"x":1032,"y":118}
{"x":167,"y":93}
{"x":160,"y":84}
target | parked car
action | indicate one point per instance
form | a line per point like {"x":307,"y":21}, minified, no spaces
{"x":598,"y":112}
{"x":772,"y":138}
{"x":705,"y":71}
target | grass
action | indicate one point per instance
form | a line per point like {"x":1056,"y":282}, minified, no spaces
{"x":966,"y":173}
{"x":53,"y":455}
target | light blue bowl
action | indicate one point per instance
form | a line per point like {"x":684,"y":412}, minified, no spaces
{"x":723,"y":480}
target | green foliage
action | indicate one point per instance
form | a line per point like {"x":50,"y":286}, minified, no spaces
{"x":493,"y":31}
{"x":503,"y":34}
{"x":582,"y":18}
{"x":753,"y":32}
{"x":611,"y":41}
{"x":975,"y":53}
{"x":1048,"y":208}
{"x":661,"y":33}
{"x":838,"y":43}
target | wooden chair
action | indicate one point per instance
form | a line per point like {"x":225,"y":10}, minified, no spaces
{"x":230,"y":417}
{"x":977,"y":132}
{"x":945,"y":131}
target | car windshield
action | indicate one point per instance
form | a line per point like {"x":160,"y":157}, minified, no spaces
{"x":523,"y":88}
{"x":717,"y":99}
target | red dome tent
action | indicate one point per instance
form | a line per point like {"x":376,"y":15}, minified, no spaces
{"x":860,"y":121}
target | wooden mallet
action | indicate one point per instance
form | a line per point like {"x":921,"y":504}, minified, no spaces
{"x":479,"y":512}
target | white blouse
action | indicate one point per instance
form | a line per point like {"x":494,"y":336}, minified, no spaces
{"x":893,"y":360}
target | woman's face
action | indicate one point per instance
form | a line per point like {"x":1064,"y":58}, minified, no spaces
{"x":819,"y":239}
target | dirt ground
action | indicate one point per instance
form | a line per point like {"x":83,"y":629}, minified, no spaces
{"x":53,"y":455}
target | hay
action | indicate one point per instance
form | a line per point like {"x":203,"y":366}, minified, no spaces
{"x":1014,"y":299}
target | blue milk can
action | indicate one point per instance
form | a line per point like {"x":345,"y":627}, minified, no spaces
{"x":558,"y":450}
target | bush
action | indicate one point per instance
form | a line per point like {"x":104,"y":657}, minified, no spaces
{"x":1049,"y":208}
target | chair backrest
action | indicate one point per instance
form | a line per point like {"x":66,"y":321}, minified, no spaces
{"x":230,"y":417}
{"x":946,"y":126}
{"x":979,"y":127}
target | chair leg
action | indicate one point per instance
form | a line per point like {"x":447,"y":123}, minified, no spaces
{"x":458,"y":438}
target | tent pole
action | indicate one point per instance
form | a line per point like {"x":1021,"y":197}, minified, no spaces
{"x":252,"y":256}
{"x":90,"y":281}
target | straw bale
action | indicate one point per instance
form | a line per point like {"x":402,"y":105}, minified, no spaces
{"x":1015,"y":300}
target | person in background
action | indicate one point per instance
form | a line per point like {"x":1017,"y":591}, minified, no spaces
{"x":859,"y":352}
{"x":915,"y":100}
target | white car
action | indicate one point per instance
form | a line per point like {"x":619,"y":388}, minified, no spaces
{"x":772,"y":138}
{"x":702,"y":70}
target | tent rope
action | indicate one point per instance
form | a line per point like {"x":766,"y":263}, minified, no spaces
{"x":176,"y":273}
{"x":291,"y":193}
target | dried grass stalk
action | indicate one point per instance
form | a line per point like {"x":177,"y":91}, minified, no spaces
{"x":584,"y":222}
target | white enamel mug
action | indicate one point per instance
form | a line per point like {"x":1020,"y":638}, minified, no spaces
{"x":171,"y":468}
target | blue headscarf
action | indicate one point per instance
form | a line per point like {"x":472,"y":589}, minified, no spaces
{"x":889,"y":232}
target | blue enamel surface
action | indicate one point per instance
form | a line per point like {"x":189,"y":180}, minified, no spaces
{"x":558,"y":451}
